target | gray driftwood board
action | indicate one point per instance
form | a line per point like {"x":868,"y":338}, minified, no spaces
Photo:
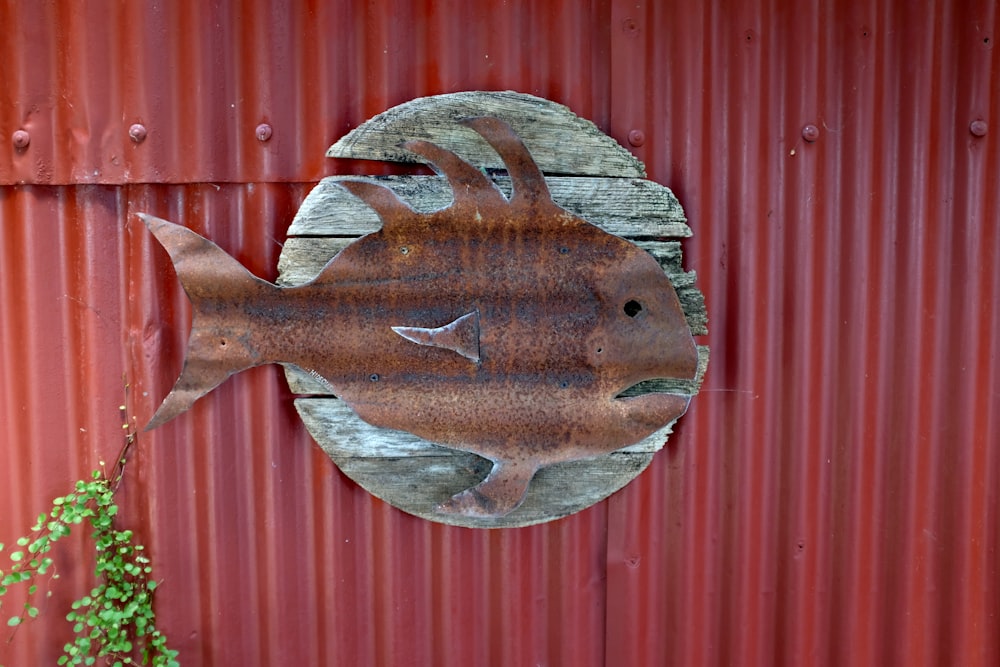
{"x":605,"y":187}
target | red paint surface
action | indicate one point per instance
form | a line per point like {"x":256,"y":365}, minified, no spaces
{"x":831,"y":497}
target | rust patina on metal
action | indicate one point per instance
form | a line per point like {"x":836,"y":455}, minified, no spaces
{"x":507,"y":328}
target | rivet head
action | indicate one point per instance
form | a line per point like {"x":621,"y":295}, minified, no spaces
{"x":979,"y":127}
{"x":20,"y":139}
{"x":636,"y":137}
{"x":264,"y":132}
{"x":810,"y":133}
{"x":137,"y":133}
{"x":630,"y":27}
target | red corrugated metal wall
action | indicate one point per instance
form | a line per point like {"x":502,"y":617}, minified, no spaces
{"x":831,"y":498}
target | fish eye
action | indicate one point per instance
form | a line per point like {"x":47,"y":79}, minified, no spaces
{"x":632,"y":308}
{"x":373,"y":377}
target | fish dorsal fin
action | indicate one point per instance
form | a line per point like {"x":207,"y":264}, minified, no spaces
{"x":390,"y":208}
{"x":461,"y":335}
{"x":470,"y":186}
{"x":527,"y":179}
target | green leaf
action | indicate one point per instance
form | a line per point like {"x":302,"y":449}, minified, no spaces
{"x":13,"y":621}
{"x":16,"y":556}
{"x":22,"y":541}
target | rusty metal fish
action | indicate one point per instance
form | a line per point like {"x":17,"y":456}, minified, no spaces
{"x":507,"y":328}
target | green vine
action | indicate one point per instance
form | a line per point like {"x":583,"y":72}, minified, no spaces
{"x":116,"y":618}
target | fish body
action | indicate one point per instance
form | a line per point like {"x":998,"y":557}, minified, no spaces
{"x":507,"y":328}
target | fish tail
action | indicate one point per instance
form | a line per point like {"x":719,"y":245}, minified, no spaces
{"x":220,"y":343}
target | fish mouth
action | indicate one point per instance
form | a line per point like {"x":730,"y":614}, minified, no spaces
{"x":660,"y":386}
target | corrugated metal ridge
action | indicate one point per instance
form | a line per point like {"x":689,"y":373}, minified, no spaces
{"x":201,"y":79}
{"x":831,"y":498}
{"x":832,"y":505}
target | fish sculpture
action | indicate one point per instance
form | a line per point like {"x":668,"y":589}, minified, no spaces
{"x":504,"y":327}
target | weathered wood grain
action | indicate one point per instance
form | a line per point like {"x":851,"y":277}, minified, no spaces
{"x":628,"y":207}
{"x":560,"y":141}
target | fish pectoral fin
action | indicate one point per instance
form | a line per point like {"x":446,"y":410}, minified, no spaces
{"x":499,"y":494}
{"x":461,"y":335}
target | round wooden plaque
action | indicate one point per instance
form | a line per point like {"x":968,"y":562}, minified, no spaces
{"x":597,"y":180}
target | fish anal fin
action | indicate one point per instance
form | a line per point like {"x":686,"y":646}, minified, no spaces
{"x":498,"y":495}
{"x":461,"y":335}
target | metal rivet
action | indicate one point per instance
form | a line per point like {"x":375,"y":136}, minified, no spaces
{"x":636,"y":137}
{"x":810,"y":133}
{"x":264,"y":132}
{"x":630,"y":28}
{"x":137,"y":133}
{"x":21,"y":139}
{"x":979,"y":127}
